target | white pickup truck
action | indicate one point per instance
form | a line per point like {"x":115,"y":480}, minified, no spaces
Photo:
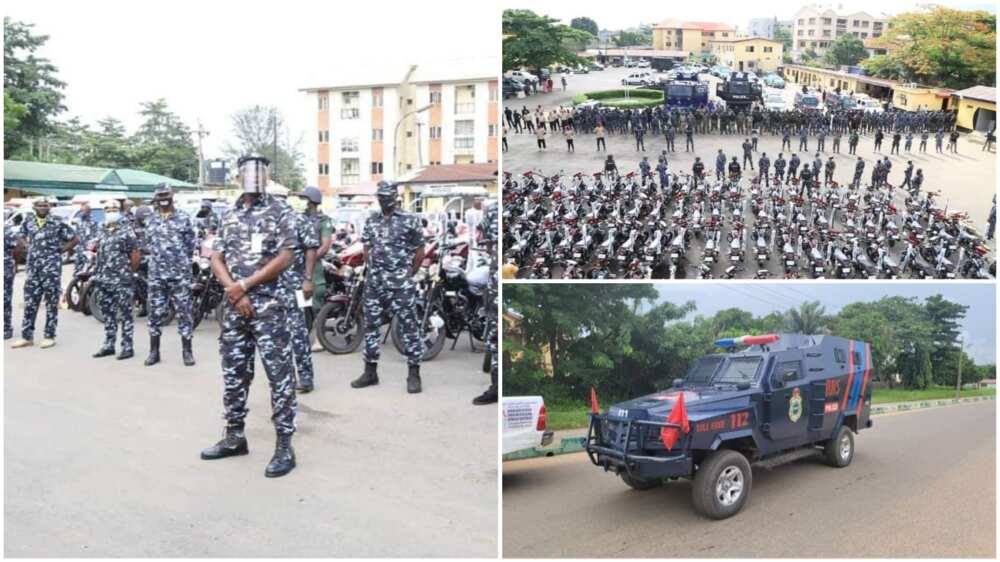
{"x":524,"y":421}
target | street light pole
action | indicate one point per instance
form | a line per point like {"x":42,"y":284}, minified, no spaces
{"x":201,"y":132}
{"x":395,"y":137}
{"x":961,"y":351}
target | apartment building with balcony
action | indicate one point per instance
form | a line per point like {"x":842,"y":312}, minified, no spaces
{"x":816,"y":27}
{"x":385,"y":121}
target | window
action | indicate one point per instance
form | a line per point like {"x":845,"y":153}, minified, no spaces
{"x":841,"y":22}
{"x":493,"y":130}
{"x":768,"y":49}
{"x":349,"y":144}
{"x":812,"y":21}
{"x":864,"y":34}
{"x":324,"y":169}
{"x":324,"y":136}
{"x":704,"y":368}
{"x":854,"y":23}
{"x":493,"y":94}
{"x":827,"y":21}
{"x":826,"y":33}
{"x":376,"y":134}
{"x":838,"y":355}
{"x":802,"y":21}
{"x":802,"y":43}
{"x":801,"y":32}
{"x":811,"y":32}
{"x":857,"y":358}
{"x":350,"y":110}
{"x":749,"y":48}
{"x":739,"y":369}
{"x":465,"y":142}
{"x":812,"y":43}
{"x":376,"y":168}
{"x":864,"y":24}
{"x":376,"y":98}
{"x":436,"y":98}
{"x":465,"y":128}
{"x":349,"y":113}
{"x":792,"y":368}
{"x":465,"y":99}
{"x":435,"y":132}
{"x":349,"y":171}
{"x":324,"y":102}
{"x":409,"y":134}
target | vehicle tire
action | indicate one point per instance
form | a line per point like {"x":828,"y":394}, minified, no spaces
{"x":74,"y":296}
{"x":640,"y":484}
{"x":433,"y":339}
{"x":839,"y":451}
{"x":93,"y":305}
{"x":331,"y":331}
{"x":722,"y":484}
{"x":219,"y":312}
{"x":197,"y":312}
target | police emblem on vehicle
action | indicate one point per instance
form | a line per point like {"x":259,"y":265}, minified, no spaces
{"x":795,"y":406}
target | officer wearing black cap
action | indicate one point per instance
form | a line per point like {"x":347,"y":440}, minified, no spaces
{"x":255,"y":244}
{"x":394,"y":249}
{"x":170,"y":241}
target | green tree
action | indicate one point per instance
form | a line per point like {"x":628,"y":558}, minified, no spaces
{"x":12,"y":112}
{"x":533,"y":41}
{"x":846,"y":50}
{"x":631,"y":38}
{"x":254,"y":132}
{"x":809,"y":318}
{"x":30,"y":82}
{"x":784,"y":35}
{"x":584,"y":24}
{"x":163,"y":143}
{"x":944,"y":317}
{"x":65,"y":144}
{"x":109,"y":145}
{"x":940,"y":47}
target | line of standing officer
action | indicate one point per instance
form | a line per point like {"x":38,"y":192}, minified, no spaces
{"x":116,"y":261}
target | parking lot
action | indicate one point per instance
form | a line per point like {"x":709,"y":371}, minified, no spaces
{"x":102,"y":456}
{"x":966,"y":180}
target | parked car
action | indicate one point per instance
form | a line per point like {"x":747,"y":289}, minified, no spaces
{"x":774,"y":81}
{"x":596,"y":66}
{"x":642,"y":64}
{"x":687,"y":73}
{"x":774,"y":101}
{"x":524,"y":423}
{"x":638,"y":79}
{"x":522,"y":76}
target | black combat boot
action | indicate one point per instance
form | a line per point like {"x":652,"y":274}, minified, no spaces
{"x":413,"y":380}
{"x":188,"y":356}
{"x":369,"y":378}
{"x":488,"y":397}
{"x":487,"y":361}
{"x":154,"y":351}
{"x":233,"y":444}
{"x":283,"y":460}
{"x":105,"y":351}
{"x":304,"y":387}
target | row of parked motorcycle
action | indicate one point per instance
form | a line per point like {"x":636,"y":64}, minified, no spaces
{"x":624,"y":226}
{"x":451,"y":297}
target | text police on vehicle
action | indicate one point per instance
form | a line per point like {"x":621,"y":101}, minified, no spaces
{"x":784,"y":398}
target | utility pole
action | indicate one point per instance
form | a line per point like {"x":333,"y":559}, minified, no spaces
{"x":961,"y":351}
{"x":201,"y":132}
{"x":274,"y":126}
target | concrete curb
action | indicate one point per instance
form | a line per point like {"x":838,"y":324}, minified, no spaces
{"x":575,"y":444}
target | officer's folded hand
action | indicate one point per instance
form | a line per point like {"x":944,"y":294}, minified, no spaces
{"x":307,"y":289}
{"x":235,"y":292}
{"x":244,"y":307}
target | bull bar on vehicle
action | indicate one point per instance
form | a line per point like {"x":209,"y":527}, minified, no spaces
{"x":676,"y":463}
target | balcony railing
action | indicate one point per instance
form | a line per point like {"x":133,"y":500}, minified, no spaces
{"x":466,"y":107}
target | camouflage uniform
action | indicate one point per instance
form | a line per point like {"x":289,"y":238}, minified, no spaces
{"x":206,"y":225}
{"x":9,"y":268}
{"x":248,"y":240}
{"x":44,"y":271}
{"x":391,"y":243}
{"x":489,"y":231}
{"x":170,"y":242}
{"x":323,"y":227}
{"x":291,"y":279}
{"x":114,"y":282}
{"x":88,"y":231}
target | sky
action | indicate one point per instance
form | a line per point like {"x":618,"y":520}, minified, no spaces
{"x":616,"y":15}
{"x":978,"y":327}
{"x":210,"y":59}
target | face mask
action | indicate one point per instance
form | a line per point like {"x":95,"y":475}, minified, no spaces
{"x":164,"y":203}
{"x":387,"y":203}
{"x":112,"y":218}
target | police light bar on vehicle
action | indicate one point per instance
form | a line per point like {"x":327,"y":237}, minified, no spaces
{"x":747,"y":340}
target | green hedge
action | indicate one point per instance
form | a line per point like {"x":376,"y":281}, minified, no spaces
{"x":637,"y":98}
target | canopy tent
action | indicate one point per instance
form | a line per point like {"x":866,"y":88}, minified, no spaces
{"x":68,"y":180}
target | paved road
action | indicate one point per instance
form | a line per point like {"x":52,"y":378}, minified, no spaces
{"x":102,"y":458}
{"x":922,"y":484}
{"x":966,"y":180}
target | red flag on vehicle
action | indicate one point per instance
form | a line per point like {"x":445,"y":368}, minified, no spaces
{"x":679,"y":416}
{"x":594,"y":406}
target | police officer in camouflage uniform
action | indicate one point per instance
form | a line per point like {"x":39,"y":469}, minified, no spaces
{"x":394,"y":250}
{"x":323,"y":226}
{"x":206,"y":221}
{"x":170,"y":242}
{"x":47,"y":238}
{"x":87,"y":230}
{"x":298,"y":277}
{"x":255,"y":244}
{"x":10,"y":238}
{"x":489,"y":233}
{"x":116,"y":260}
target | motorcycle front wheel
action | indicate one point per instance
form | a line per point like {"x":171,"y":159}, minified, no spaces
{"x":434,"y":338}
{"x":338,"y":331}
{"x":93,"y":305}
{"x":74,"y":294}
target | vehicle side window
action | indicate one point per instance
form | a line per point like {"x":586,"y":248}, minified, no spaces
{"x":792,"y":368}
{"x":838,"y":354}
{"x":857,"y":357}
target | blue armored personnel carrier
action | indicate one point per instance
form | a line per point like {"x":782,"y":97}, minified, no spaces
{"x":768,"y":400}
{"x":685,"y":94}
